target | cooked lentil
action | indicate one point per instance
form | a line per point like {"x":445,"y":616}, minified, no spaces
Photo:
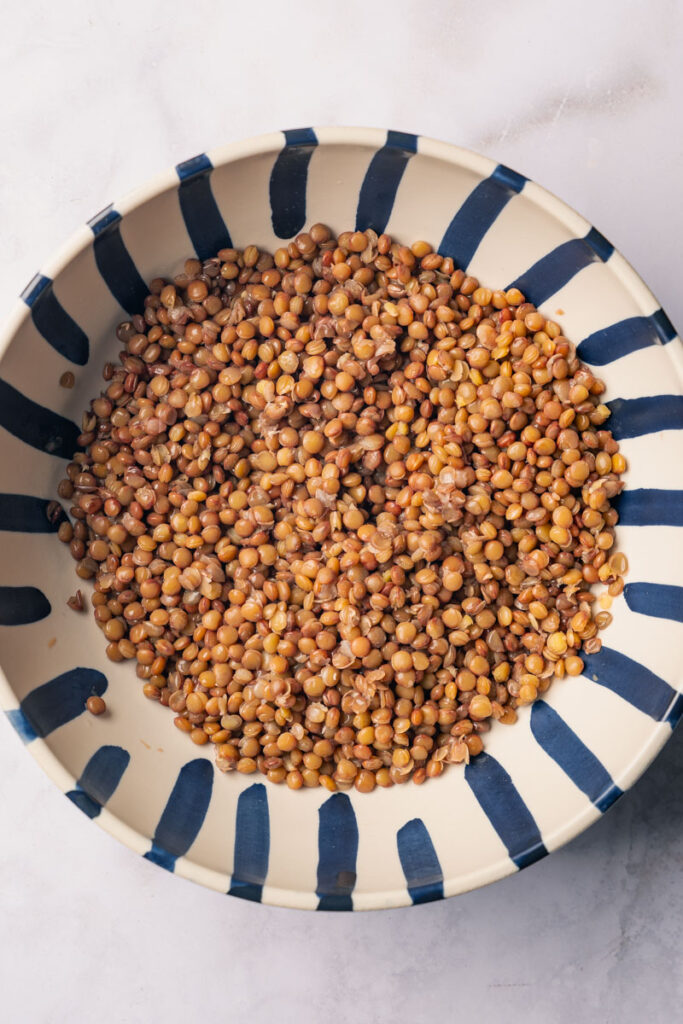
{"x":95,"y":705}
{"x":343,"y":506}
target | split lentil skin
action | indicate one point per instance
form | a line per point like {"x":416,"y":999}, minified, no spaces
{"x":75,"y":602}
{"x":344,"y":507}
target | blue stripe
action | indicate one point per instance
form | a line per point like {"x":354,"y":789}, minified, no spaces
{"x":631,"y":681}
{"x":382,"y":178}
{"x":115,"y":263}
{"x":62,"y":699}
{"x":203,"y":219}
{"x":85,"y":803}
{"x":599,"y":244}
{"x":252,"y":844}
{"x":658,"y":600}
{"x":476,"y":215}
{"x":99,"y":779}
{"x":22,"y":513}
{"x":555,"y":270}
{"x":633,"y":417}
{"x":649,"y":507}
{"x":21,"y":725}
{"x":35,"y":425}
{"x":573,"y":756}
{"x":183,"y":815}
{"x":505,"y":809}
{"x":337,"y":852}
{"x":288,"y":181}
{"x":20,"y":606}
{"x":34,"y":289}
{"x":665,"y":328}
{"x":675,"y":711}
{"x":420,"y":863}
{"x":53,"y":322}
{"x":619,"y":340}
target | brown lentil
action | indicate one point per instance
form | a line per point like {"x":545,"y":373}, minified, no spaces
{"x":95,"y":705}
{"x":343,"y":506}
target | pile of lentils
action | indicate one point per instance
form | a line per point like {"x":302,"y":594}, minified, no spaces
{"x":343,"y":508}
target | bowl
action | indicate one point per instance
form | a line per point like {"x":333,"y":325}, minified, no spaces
{"x":570,"y":756}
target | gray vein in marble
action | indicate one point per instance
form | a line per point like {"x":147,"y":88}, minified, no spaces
{"x":639,"y":86}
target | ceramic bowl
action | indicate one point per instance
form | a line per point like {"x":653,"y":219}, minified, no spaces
{"x":540,"y":782}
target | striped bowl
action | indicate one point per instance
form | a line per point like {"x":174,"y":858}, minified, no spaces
{"x":538,"y":784}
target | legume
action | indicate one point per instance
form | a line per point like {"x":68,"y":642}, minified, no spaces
{"x":95,"y":705}
{"x":344,"y":507}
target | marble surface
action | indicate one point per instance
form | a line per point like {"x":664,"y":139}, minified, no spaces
{"x":582,"y":97}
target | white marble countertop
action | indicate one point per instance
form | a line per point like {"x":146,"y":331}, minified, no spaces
{"x":585,"y":99}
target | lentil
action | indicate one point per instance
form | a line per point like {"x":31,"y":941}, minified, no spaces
{"x":343,"y":506}
{"x":95,"y":705}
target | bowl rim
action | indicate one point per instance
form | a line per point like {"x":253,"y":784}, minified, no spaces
{"x":77,"y":242}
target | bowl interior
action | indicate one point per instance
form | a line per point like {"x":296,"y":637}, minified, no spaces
{"x":538,"y":783}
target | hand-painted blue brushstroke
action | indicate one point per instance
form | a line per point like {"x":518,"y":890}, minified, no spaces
{"x":85,"y":803}
{"x":62,"y":699}
{"x":630,"y":335}
{"x":35,"y":425}
{"x":54,"y":323}
{"x":420,"y":863}
{"x":252,"y":844}
{"x":203,"y":219}
{"x":288,"y":181}
{"x":22,"y":726}
{"x":633,"y":417}
{"x":631,"y":681}
{"x":22,"y":513}
{"x":382,"y":178}
{"x":476,"y":215}
{"x":505,"y":809}
{"x":599,"y":244}
{"x":675,"y":711}
{"x":649,"y":507}
{"x":99,"y":779}
{"x":183,"y":815}
{"x":665,"y":329}
{"x":20,"y":606}
{"x":115,"y":263}
{"x":555,"y":270}
{"x":658,"y":600}
{"x":573,"y":756}
{"x":337,"y":852}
